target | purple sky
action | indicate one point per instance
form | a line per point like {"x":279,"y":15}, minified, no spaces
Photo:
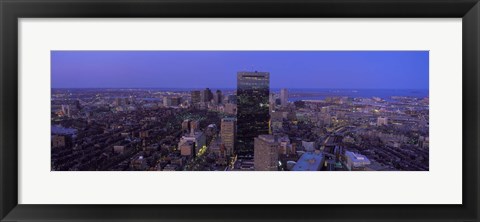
{"x":217,"y":69}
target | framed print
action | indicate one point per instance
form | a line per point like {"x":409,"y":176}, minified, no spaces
{"x":227,"y":110}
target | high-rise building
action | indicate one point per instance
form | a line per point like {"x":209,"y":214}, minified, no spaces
{"x":231,"y":109}
{"x":176,"y":101}
{"x":283,"y":97}
{"x":228,"y":132}
{"x":206,"y":95}
{"x":253,"y":90}
{"x":266,"y":153}
{"x":195,"y":96}
{"x":118,"y":101}
{"x":190,"y":126}
{"x":167,"y":101}
{"x":218,"y":97}
{"x":271,"y":101}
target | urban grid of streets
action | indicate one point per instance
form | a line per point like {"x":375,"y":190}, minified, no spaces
{"x":148,"y":129}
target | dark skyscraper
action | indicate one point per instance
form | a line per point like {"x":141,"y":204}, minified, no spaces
{"x":206,"y":95}
{"x":218,"y":97}
{"x":195,"y":97}
{"x":253,"y":90}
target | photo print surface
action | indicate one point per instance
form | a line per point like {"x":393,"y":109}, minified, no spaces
{"x":239,"y":110}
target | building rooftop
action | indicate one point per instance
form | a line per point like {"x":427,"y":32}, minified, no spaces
{"x":309,"y":161}
{"x":252,"y":74}
{"x":191,"y":136}
{"x":59,"y":130}
{"x":355,"y":157}
{"x":267,"y":138}
{"x":229,"y":119}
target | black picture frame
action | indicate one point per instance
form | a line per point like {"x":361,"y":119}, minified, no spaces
{"x":12,"y":10}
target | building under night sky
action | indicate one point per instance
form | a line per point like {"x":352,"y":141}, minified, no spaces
{"x":253,"y":90}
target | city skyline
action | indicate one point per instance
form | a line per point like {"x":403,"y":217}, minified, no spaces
{"x":275,"y":118}
{"x":217,"y":69}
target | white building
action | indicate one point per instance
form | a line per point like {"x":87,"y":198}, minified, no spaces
{"x":308,"y":146}
{"x":382,"y":121}
{"x":356,"y":161}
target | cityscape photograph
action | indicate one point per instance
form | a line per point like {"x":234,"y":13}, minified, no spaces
{"x":239,"y":110}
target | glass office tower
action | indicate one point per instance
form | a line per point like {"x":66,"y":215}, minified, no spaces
{"x":253,"y":90}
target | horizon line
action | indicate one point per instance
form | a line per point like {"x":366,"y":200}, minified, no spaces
{"x":232,"y":88}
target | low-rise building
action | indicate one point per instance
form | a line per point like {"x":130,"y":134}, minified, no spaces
{"x":310,"y":161}
{"x":355,"y":161}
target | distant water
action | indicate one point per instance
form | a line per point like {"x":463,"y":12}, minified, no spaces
{"x":321,"y":94}
{"x":307,"y":94}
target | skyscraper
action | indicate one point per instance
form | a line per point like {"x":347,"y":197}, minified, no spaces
{"x":266,"y":153}
{"x":253,"y":90}
{"x":218,"y":97}
{"x":283,"y":97}
{"x":271,"y":101}
{"x":228,"y":132}
{"x":206,"y":95}
{"x":176,"y":101}
{"x":195,"y":96}
{"x":167,"y":101}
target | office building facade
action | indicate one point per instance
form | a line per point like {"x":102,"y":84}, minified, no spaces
{"x":253,"y":90}
{"x":266,"y":153}
{"x":228,"y":132}
{"x":195,"y":96}
{"x":283,"y":97}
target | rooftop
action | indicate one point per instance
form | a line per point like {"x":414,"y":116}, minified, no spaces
{"x":309,"y":161}
{"x":355,"y":157}
{"x":267,"y":138}
{"x":59,"y":130}
{"x":229,"y":119}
